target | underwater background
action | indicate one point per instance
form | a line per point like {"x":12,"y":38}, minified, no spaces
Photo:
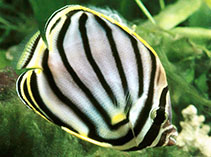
{"x":181,"y":36}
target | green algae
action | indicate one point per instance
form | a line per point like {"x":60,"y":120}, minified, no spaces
{"x":4,"y":62}
{"x":184,"y":53}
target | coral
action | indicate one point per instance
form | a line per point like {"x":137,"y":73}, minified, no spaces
{"x":194,"y":135}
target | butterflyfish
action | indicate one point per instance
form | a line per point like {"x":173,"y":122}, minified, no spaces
{"x":98,"y":80}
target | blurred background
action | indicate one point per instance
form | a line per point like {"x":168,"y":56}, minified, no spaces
{"x":178,"y":30}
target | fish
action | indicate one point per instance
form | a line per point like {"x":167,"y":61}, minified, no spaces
{"x":98,"y":80}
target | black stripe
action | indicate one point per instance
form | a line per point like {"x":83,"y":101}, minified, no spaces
{"x":115,"y":54}
{"x":53,"y":15}
{"x":20,"y":79}
{"x":83,"y":32}
{"x":31,"y":52}
{"x":142,"y":118}
{"x":138,"y":63}
{"x":76,"y":78}
{"x":92,"y":133}
{"x":54,"y":25}
{"x":122,"y":140}
{"x":42,"y":105}
{"x":128,"y":104}
{"x":155,"y":128}
{"x":136,"y":51}
{"x":162,"y":103}
{"x":30,"y":100}
{"x":86,"y":120}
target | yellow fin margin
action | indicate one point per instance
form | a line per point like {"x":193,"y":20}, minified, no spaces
{"x":78,"y":7}
{"x":83,"y":137}
{"x":27,"y":78}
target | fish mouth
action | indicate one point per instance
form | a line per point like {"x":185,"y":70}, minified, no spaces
{"x":171,"y":135}
{"x":168,"y":137}
{"x":172,"y":138}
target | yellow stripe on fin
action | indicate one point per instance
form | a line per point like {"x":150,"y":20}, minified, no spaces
{"x":102,"y":144}
{"x":26,"y":78}
{"x":41,"y":113}
{"x":27,"y":52}
{"x":33,"y":53}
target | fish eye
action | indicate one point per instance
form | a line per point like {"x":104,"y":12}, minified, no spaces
{"x":158,"y":111}
{"x":153,"y":113}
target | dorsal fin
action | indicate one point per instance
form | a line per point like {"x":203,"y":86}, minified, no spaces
{"x":28,"y":51}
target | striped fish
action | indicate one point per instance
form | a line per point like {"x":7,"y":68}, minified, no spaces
{"x":98,"y":80}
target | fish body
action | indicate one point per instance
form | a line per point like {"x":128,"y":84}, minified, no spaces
{"x":98,"y":80}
